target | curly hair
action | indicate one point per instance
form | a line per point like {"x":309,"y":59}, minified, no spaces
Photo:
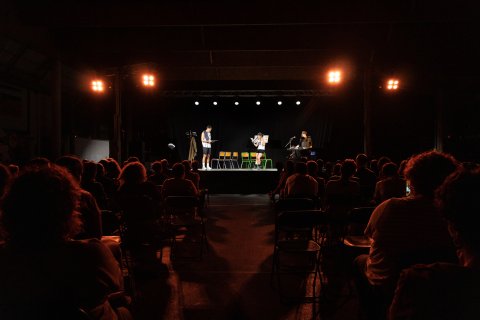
{"x":427,"y":171}
{"x":458,"y":199}
{"x":39,"y":206}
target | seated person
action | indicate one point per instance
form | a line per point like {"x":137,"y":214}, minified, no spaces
{"x":5,"y":179}
{"x":300,"y":184}
{"x":366,"y":178}
{"x":312,"y":171}
{"x":392,"y":186}
{"x":178,"y":185}
{"x":133,"y":182}
{"x":190,"y":175}
{"x":404,"y":232}
{"x":343,"y":194}
{"x":286,"y":173}
{"x":43,"y":271}
{"x":90,"y":212}
{"x":444,"y":290}
{"x":90,"y":184}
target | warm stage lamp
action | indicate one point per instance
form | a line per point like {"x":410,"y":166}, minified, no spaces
{"x":334,"y":77}
{"x":148,"y":80}
{"x":97,"y":86}
{"x":393,"y":84}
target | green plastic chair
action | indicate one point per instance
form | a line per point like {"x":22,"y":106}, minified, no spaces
{"x":246,"y":161}
{"x":266,"y":160}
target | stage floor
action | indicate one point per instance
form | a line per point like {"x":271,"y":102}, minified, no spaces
{"x":239,"y":181}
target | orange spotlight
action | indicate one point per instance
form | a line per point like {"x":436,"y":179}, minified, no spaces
{"x":97,"y":86}
{"x":334,"y":77}
{"x":148,"y":80}
{"x":393,"y":84}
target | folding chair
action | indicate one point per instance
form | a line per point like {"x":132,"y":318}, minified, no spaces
{"x":234,"y":161}
{"x":185,"y":214}
{"x":221,"y":158}
{"x":265,"y":161}
{"x":227,"y":159}
{"x":245,"y":160}
{"x":294,"y":239}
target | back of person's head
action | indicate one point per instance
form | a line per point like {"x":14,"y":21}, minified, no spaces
{"x":133,"y":159}
{"x":37,"y":163}
{"x":459,"y":200}
{"x":337,"y":169}
{"x":348,"y":168}
{"x":39,"y":207}
{"x":389,"y":169}
{"x":14,"y":169}
{"x":383,"y":160}
{"x":187,"y":165}
{"x":320,"y":164}
{"x":73,"y":164}
{"x":133,"y":173}
{"x":178,"y":170}
{"x":100,"y":170}
{"x":361,"y":160}
{"x":89,"y":171}
{"x":401,"y":167}
{"x":312,"y":168}
{"x":157,"y":166}
{"x":112,"y":169}
{"x":5,"y":178}
{"x":301,"y":168}
{"x":290,"y":167}
{"x":426,"y":171}
{"x":374,"y":165}
{"x":165,"y":164}
{"x":195,"y":165}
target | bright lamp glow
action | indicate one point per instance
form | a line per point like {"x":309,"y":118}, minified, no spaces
{"x":334,"y":77}
{"x":258,"y":103}
{"x":393,"y":84}
{"x":279,"y":103}
{"x":237,"y":103}
{"x":98,"y":86}
{"x":148,"y":80}
{"x":298,"y":103}
{"x":197,"y":103}
{"x":215,"y":103}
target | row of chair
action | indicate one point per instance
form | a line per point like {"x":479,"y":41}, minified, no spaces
{"x":230,"y":160}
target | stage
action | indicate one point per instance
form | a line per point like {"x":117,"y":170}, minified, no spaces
{"x":239,"y":181}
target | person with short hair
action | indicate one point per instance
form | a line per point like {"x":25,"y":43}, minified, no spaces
{"x":444,"y":290}
{"x":191,"y":175}
{"x":343,"y":193}
{"x":178,"y":185}
{"x":366,"y":178}
{"x":392,"y":186}
{"x":301,"y":184}
{"x":206,"y":138}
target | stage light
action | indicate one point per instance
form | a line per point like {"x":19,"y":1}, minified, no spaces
{"x":148,"y":80}
{"x":334,"y":77}
{"x":393,"y":84}
{"x":279,"y":103}
{"x":236,"y":103}
{"x":258,"y":103}
{"x":197,"y":103}
{"x":298,"y":103}
{"x":98,"y":86}
{"x":215,"y":103}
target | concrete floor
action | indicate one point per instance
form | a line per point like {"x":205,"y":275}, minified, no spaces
{"x":232,"y":281}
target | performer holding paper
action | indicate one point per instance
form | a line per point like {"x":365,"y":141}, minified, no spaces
{"x":305,"y":144}
{"x":259,"y":141}
{"x":206,"y":138}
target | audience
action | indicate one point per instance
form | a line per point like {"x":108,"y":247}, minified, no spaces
{"x":312,"y":171}
{"x":90,"y":184}
{"x":5,"y":178}
{"x":444,"y":290}
{"x":160,"y":172}
{"x":90,"y":212}
{"x":190,"y":175}
{"x":14,"y":170}
{"x":343,"y":194}
{"x":133,"y":182}
{"x":301,"y":184}
{"x":404,"y":231}
{"x":43,"y":271}
{"x":178,"y":185}
{"x":286,"y":173}
{"x":392,"y":186}
{"x":366,"y":178}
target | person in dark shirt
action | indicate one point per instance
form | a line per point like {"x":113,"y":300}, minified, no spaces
{"x":90,"y":184}
{"x":444,"y":290}
{"x":366,"y":178}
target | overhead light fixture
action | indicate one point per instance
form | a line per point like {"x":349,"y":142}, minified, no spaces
{"x":236,"y":103}
{"x":334,"y":77}
{"x":215,"y":103}
{"x":393,"y":84}
{"x":258,"y":103}
{"x":148,"y":80}
{"x":197,"y":103}
{"x":279,"y":103}
{"x":298,"y":102}
{"x":97,"y":86}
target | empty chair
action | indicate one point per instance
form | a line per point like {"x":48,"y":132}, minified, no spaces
{"x":246,"y":161}
{"x":220,"y":159}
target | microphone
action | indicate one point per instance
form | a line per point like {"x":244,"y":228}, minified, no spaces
{"x":293,"y":137}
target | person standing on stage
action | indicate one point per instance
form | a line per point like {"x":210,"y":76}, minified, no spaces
{"x":206,"y":138}
{"x":259,"y":142}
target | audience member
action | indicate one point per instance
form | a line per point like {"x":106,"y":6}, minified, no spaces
{"x":404,"y":231}
{"x":366,"y":178}
{"x":90,"y":184}
{"x":37,"y":163}
{"x":301,"y":184}
{"x":336,"y":171}
{"x":133,"y":182}
{"x":443,"y":290}
{"x":107,"y":182}
{"x":392,"y":186}
{"x":90,"y":212}
{"x":286,"y":173}
{"x":178,"y":185}
{"x":312,"y":171}
{"x":14,"y":170}
{"x":381,"y":162}
{"x":5,"y":178}
{"x":343,"y":194}
{"x":42,"y":271}
{"x":190,"y":175}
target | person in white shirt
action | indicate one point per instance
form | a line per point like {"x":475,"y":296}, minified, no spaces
{"x":259,"y":142}
{"x":206,"y":138}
